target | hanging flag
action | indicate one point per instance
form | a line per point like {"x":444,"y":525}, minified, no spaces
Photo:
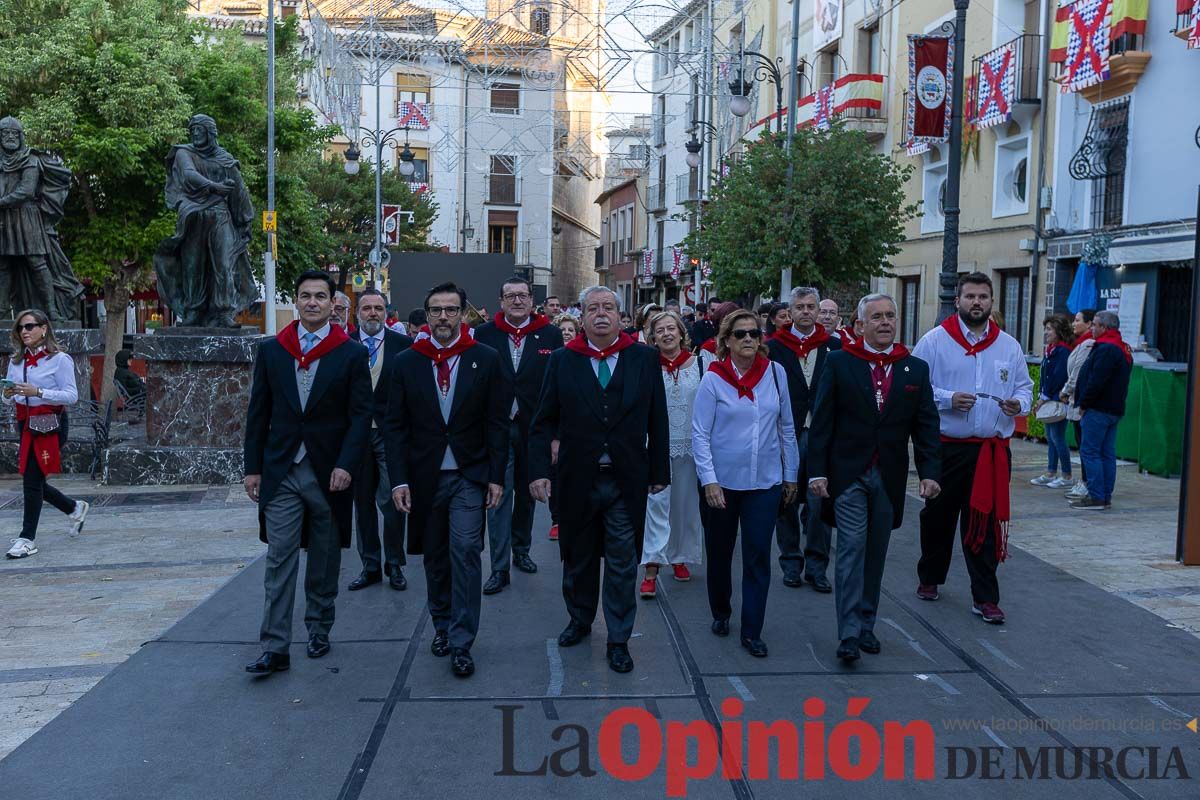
{"x":823,"y":113}
{"x":930,"y":75}
{"x":1193,"y":41}
{"x":648,"y":265}
{"x":1087,"y":44}
{"x":997,"y":89}
{"x":676,"y":259}
{"x":413,"y":115}
{"x":1128,"y":16}
{"x":849,"y":91}
{"x":705,"y":270}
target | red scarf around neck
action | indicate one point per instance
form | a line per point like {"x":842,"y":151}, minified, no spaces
{"x":425,"y":346}
{"x":673,"y":365}
{"x":289,"y":337}
{"x":32,"y":359}
{"x":710,"y":346}
{"x":989,"y":504}
{"x":1050,"y":349}
{"x":536,"y":323}
{"x":859,"y":350}
{"x":1086,"y":337}
{"x":847,"y":334}
{"x":1114,"y":338}
{"x":801,"y":347}
{"x":746,"y":384}
{"x":951,"y":325}
{"x":580,"y":345}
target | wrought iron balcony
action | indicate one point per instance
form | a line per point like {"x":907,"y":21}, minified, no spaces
{"x":1024,"y":64}
{"x":687,"y":189}
{"x":656,"y":198}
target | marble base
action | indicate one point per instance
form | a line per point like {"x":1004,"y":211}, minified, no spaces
{"x":144,"y":465}
{"x":76,"y":456}
{"x":80,"y":343}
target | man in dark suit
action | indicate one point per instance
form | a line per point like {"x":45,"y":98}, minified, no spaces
{"x":524,"y":341}
{"x":603,"y":398}
{"x":873,"y":398}
{"x":802,"y":350}
{"x":306,"y":431}
{"x":446,"y":433}
{"x":372,"y":489}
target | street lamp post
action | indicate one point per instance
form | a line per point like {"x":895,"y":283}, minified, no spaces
{"x":949,"y":276}
{"x":694,"y":145}
{"x":378,"y":139}
{"x":467,"y":230}
{"x":763,"y":69}
{"x":268,"y":255}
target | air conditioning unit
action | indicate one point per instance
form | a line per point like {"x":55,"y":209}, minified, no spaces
{"x":1028,"y":245}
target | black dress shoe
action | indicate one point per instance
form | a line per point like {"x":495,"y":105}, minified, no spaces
{"x":318,"y":645}
{"x":720,"y":627}
{"x":868,"y":643}
{"x":755,"y":647}
{"x":440,"y":646}
{"x":397,"y":580}
{"x":821,"y":584}
{"x":848,"y":650}
{"x":268,"y":663}
{"x":461,"y":662}
{"x":573,"y":634}
{"x":523,"y":562}
{"x":793,"y":579}
{"x":496,"y":582}
{"x":364,"y":580}
{"x":619,"y":659}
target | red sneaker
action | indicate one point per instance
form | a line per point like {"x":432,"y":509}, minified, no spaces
{"x":927,"y":591}
{"x":990,"y":612}
{"x":681,"y":572}
{"x":554,"y":533}
{"x":649,"y":587}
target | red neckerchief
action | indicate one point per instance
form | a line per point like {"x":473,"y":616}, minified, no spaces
{"x":580,"y":345}
{"x":44,"y":445}
{"x":1087,"y":337}
{"x":673,"y":365}
{"x":745,"y":385}
{"x":951,"y":325}
{"x":536,"y":323}
{"x":1050,"y":350}
{"x":710,"y":345}
{"x":32,"y":359}
{"x":859,"y":350}
{"x":425,"y":346}
{"x":847,"y":334}
{"x":1114,"y":338}
{"x":802,"y":347}
{"x":989,"y":504}
{"x":289,"y":337}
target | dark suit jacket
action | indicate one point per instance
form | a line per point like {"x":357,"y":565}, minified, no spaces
{"x":526,"y":381}
{"x":801,"y":394}
{"x":847,"y":429}
{"x":416,"y":436}
{"x":629,"y":420}
{"x":393,"y":345}
{"x":334,"y":425}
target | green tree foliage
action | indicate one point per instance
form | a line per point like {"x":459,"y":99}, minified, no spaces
{"x":837,"y":219}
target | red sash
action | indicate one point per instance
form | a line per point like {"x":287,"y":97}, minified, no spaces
{"x":1087,"y":335}
{"x":802,"y":347}
{"x":989,"y":494}
{"x":745,"y":385}
{"x":425,"y":346}
{"x":580,"y":345}
{"x":951,"y":325}
{"x":1114,"y":338}
{"x":859,"y":350}
{"x":673,"y":365}
{"x":45,"y":445}
{"x":536,"y":323}
{"x":289,"y":337}
{"x":710,"y":346}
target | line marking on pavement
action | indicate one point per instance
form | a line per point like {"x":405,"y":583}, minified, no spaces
{"x":652,"y":706}
{"x":812,"y":650}
{"x":937,"y":680}
{"x":1165,"y":706}
{"x":991,"y":648}
{"x":556,"y":668}
{"x":200,"y":562}
{"x":741,"y":688}
{"x":549,"y":710}
{"x":537,"y":698}
{"x":913,"y":643}
{"x":993,"y":736}
{"x":1087,"y":695}
{"x":802,"y":673}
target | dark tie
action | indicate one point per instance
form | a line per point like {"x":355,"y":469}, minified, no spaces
{"x":443,"y":376}
{"x":879,"y":375}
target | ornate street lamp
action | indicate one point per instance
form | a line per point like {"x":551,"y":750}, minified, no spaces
{"x":764,"y":69}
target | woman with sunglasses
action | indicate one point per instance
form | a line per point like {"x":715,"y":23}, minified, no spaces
{"x":41,"y":381}
{"x":744,"y":440}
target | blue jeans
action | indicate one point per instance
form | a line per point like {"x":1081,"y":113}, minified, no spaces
{"x":1099,"y":453}
{"x":1056,"y":437}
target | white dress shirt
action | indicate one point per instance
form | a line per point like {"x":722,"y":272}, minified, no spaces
{"x":304,"y":378}
{"x":53,"y":374}
{"x":744,"y":444}
{"x":611,"y":360}
{"x":448,"y":462}
{"x":1000,"y":370}
{"x":379,"y":338}
{"x":887,"y":370}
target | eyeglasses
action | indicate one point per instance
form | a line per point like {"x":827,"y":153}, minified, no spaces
{"x":514,"y":296}
{"x":742,"y":334}
{"x":447,"y":311}
{"x":28,"y":326}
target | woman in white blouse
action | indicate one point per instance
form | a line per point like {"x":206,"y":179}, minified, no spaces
{"x":673,"y":534}
{"x":744,"y":442}
{"x":41,"y":381}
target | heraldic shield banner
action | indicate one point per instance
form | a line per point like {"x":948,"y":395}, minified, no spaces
{"x":930,"y":77}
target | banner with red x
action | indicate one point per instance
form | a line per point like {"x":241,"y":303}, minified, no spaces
{"x":1087,"y":44}
{"x":997,"y":86}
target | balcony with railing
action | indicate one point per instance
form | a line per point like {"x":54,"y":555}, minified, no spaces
{"x":1018,"y":60}
{"x":656,"y":198}
{"x":1127,"y":56}
{"x":523,"y":255}
{"x":504,"y":189}
{"x":601,"y":266}
{"x":687,"y":188}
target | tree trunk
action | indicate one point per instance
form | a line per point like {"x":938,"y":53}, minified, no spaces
{"x":117,"y":293}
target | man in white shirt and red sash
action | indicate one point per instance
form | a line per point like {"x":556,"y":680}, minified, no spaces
{"x":980,"y":382}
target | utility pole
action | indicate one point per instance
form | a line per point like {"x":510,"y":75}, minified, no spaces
{"x":949,"y":276}
{"x":269,"y":255}
{"x":785,"y":280}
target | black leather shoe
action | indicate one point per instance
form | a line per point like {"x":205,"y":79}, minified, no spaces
{"x":755,"y":647}
{"x":573,"y":634}
{"x":461,"y":662}
{"x":868,"y":643}
{"x":268,"y":663}
{"x":523,"y":562}
{"x":364,"y":580}
{"x":318,"y":645}
{"x":397,"y":580}
{"x":793,"y":579}
{"x":496,"y":582}
{"x":619,"y":659}
{"x":821,"y":583}
{"x":848,"y":650}
{"x":720,"y":627}
{"x":440,"y":646}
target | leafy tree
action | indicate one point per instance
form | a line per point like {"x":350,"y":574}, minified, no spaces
{"x":835,"y":221}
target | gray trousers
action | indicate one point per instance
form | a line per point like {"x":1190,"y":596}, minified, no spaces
{"x":581,"y":580}
{"x":373,"y":494}
{"x":864,"y":523}
{"x":299,"y":497}
{"x":453,"y":564}
{"x":814,"y":560}
{"x":510,"y":524}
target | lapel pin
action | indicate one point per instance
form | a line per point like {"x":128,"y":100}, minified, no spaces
{"x":472,"y":365}
{"x":906,"y":369}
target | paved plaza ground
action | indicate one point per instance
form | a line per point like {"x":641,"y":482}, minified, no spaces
{"x":121,"y":656}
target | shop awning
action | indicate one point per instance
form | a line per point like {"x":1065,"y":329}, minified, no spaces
{"x":1152,"y":249}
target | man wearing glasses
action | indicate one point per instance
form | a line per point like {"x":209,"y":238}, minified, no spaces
{"x":527,"y":339}
{"x":446,"y":437}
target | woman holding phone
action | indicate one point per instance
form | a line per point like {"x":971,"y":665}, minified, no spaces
{"x":41,"y":381}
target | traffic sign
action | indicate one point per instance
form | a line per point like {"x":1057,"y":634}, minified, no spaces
{"x":269,"y":222}
{"x":380,"y":258}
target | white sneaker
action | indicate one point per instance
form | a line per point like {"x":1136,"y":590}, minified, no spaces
{"x":82,"y":507}
{"x":1079,"y":490}
{"x":1044,"y":479}
{"x":21,"y":548}
{"x":1060,"y":483}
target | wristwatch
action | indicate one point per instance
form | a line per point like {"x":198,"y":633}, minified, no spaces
{"x":39,"y":394}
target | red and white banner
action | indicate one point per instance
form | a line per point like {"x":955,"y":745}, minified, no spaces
{"x":847,"y":92}
{"x":676,"y":260}
{"x":1088,"y":35}
{"x":930,"y":76}
{"x":823,"y":113}
{"x":648,"y":266}
{"x":413,"y":115}
{"x":997,"y":89}
{"x":1193,"y":41}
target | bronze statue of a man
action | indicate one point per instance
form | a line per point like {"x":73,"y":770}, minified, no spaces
{"x":34,"y":271}
{"x":204,"y":269}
